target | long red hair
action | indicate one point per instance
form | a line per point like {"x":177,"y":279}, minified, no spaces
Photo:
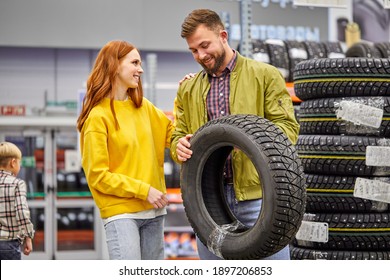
{"x":101,"y":81}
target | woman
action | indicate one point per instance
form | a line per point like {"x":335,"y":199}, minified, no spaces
{"x":122,"y":138}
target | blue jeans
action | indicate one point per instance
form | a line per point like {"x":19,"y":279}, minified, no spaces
{"x":136,"y":239}
{"x":10,"y":250}
{"x":247,"y":213}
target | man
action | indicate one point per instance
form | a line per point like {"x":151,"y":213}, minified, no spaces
{"x":370,"y":15}
{"x":229,"y":84}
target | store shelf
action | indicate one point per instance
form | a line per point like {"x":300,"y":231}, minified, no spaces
{"x":180,"y":240}
{"x":21,"y":123}
{"x":290,"y":88}
{"x":180,"y":245}
{"x":176,"y":219}
{"x":174,"y":195}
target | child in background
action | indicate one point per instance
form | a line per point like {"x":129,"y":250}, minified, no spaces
{"x":16,"y":229}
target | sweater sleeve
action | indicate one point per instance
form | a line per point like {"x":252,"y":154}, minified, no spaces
{"x":165,"y":125}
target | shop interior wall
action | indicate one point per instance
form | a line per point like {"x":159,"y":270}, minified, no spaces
{"x":47,"y":48}
{"x":35,"y":76}
{"x":374,"y":22}
{"x":149,"y":24}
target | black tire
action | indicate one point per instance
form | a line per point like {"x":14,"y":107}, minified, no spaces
{"x":278,"y":55}
{"x":343,"y":77}
{"x":339,"y":155}
{"x":309,"y":254}
{"x":362,"y":49}
{"x":315,"y":49}
{"x":280,"y":173}
{"x":260,"y":51}
{"x":319,"y":116}
{"x":352,"y":231}
{"x":333,"y":49}
{"x":296,"y":52}
{"x":383,"y":48}
{"x":334,"y":194}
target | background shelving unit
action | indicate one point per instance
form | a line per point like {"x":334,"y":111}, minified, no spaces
{"x":179,"y":237}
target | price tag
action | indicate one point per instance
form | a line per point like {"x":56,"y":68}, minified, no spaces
{"x":313,"y":231}
{"x":372,"y":190}
{"x":298,"y":53}
{"x":360,"y":114}
{"x":72,"y":161}
{"x":378,"y":156}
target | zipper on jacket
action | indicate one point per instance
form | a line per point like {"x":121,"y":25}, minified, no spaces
{"x":280,"y":103}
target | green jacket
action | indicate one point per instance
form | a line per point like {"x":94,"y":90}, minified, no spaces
{"x":255,"y":88}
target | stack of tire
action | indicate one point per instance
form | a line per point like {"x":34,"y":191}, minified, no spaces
{"x":344,"y":147}
{"x":369,"y":49}
{"x":286,"y":54}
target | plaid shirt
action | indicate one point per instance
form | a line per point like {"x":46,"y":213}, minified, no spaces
{"x":218,"y":101}
{"x":15,"y":220}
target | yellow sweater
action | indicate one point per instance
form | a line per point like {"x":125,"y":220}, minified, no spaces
{"x":121,"y":165}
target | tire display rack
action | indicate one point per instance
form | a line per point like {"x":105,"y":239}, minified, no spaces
{"x":323,"y":81}
{"x":344,"y":146}
{"x":286,"y":54}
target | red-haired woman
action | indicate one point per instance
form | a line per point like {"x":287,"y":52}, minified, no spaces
{"x":122,"y":138}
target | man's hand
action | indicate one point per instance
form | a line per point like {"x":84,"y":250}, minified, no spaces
{"x":183,"y":148}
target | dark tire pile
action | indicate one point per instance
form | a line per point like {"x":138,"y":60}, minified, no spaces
{"x":286,"y":54}
{"x":344,"y":146}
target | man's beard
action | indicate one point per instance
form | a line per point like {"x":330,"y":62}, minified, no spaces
{"x":218,"y":63}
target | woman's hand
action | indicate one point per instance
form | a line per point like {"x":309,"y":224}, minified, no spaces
{"x":157,"y":198}
{"x":187,"y":77}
